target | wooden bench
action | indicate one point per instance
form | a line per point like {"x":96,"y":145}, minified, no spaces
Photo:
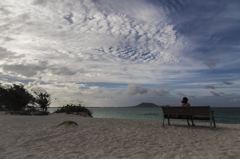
{"x":194,"y":113}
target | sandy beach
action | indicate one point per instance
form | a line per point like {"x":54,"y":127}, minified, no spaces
{"x":35,"y":137}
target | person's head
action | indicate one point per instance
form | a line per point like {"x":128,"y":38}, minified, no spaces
{"x":185,"y":100}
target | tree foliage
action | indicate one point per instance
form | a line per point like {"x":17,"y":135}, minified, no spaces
{"x":14,"y":97}
{"x":3,"y":93}
{"x":43,"y":100}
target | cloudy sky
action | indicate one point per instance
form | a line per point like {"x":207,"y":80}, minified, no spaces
{"x":122,"y":53}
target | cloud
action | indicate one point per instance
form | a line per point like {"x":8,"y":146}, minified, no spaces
{"x":39,"y":2}
{"x":180,"y":93}
{"x":217,"y":94}
{"x":38,"y":89}
{"x":227,"y":83}
{"x":29,"y":70}
{"x":8,"y":55}
{"x":209,"y":87}
{"x":118,"y":92}
{"x":63,"y":71}
{"x":4,"y":53}
{"x":69,"y":18}
{"x":35,"y":86}
{"x":134,"y":89}
{"x":192,"y":96}
{"x":34,"y":83}
{"x":124,"y":68}
{"x":235,"y":100}
{"x":137,"y":9}
{"x":159,"y":92}
{"x":88,"y":40}
{"x":211,"y":63}
{"x":99,"y":31}
{"x":70,"y":44}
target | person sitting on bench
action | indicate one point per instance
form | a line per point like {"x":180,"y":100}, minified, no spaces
{"x":185,"y":103}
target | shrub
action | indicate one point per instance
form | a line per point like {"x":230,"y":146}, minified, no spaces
{"x":71,"y":108}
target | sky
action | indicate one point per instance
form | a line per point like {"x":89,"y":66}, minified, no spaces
{"x":121,"y":53}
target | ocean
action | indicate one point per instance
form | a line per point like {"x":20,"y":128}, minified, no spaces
{"x":222,"y":115}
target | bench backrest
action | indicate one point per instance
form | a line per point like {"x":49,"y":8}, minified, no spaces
{"x":201,"y":111}
{"x":193,"y":110}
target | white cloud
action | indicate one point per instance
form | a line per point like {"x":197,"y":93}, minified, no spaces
{"x":44,"y":29}
{"x":68,"y":44}
{"x":134,"y":89}
{"x":98,"y":39}
{"x":159,"y":92}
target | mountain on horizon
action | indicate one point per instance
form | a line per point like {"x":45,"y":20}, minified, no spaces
{"x":146,"y":105}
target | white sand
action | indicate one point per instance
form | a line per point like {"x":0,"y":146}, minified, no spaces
{"x":32,"y":137}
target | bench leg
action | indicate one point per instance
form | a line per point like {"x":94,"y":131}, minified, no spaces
{"x":214,"y":123}
{"x":211,"y":122}
{"x":188,"y":122}
{"x":193,"y":122}
{"x":168,"y":122}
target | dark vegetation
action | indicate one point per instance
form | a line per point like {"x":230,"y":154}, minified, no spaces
{"x":43,"y":100}
{"x":17,"y":100}
{"x":72,"y":109}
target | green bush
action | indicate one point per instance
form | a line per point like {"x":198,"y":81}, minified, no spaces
{"x":71,"y":108}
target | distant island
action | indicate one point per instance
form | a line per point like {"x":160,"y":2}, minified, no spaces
{"x":146,"y":105}
{"x":141,"y":105}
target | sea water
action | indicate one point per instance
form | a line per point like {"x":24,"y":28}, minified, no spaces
{"x":222,"y":115}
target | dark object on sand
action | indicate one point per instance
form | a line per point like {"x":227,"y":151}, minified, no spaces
{"x":67,"y":123}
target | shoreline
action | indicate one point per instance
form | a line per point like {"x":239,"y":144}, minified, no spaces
{"x":34,"y":137}
{"x":222,"y":115}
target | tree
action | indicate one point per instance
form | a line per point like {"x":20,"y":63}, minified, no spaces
{"x":15,"y":97}
{"x":3,"y":93}
{"x":43,"y":100}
